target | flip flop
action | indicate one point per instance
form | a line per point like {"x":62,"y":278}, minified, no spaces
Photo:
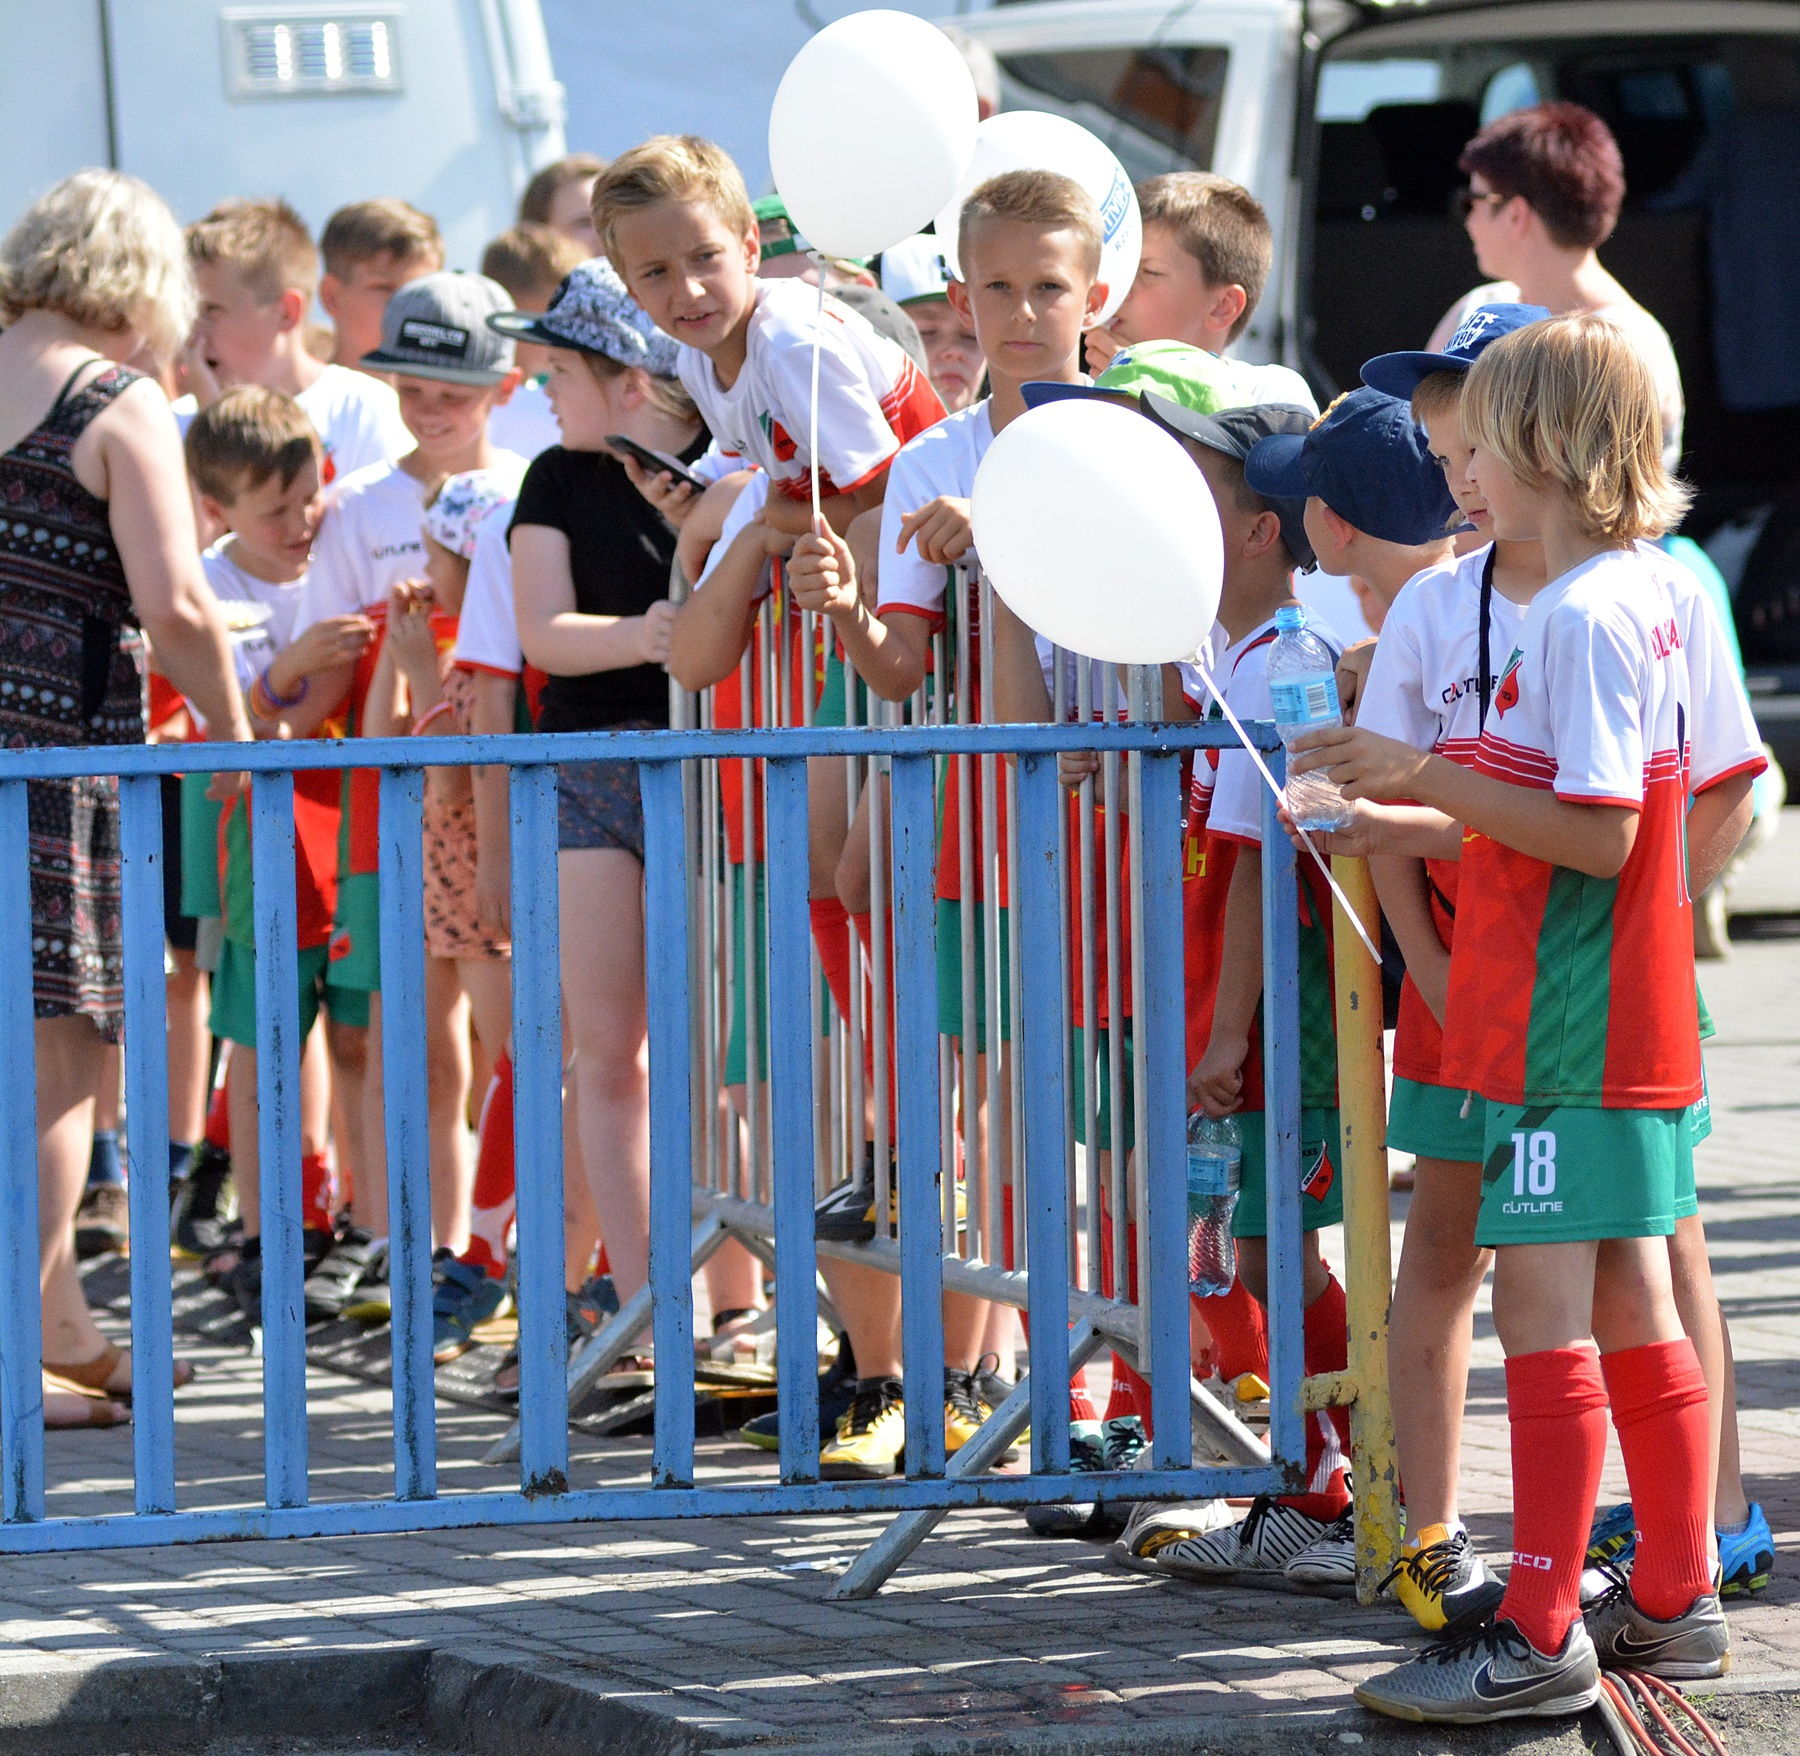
{"x":66,"y":1410}
{"x":95,"y":1375}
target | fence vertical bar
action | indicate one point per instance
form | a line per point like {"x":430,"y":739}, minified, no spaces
{"x":404,"y":1110}
{"x":537,"y":1132}
{"x":147,"y":1105}
{"x":278,"y":1136}
{"x":1037,"y":908}
{"x":913,"y":851}
{"x":790,"y":1115}
{"x":667,"y":923}
{"x":1160,"y":1027}
{"x":1281,"y":1083}
{"x":21,"y":1335}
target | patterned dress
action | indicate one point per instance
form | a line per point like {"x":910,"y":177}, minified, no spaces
{"x":71,"y":672}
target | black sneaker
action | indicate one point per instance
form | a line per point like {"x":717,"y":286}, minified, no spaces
{"x":1087,"y":1456}
{"x":243,"y":1281}
{"x":837,"y":1389}
{"x":205,"y":1204}
{"x":846,"y":1214}
{"x":331,"y":1287}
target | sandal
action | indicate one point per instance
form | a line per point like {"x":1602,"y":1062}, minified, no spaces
{"x":66,"y":1410}
{"x":96,"y":1375}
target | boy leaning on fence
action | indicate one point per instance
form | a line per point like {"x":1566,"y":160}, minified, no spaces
{"x":1571,"y":1016}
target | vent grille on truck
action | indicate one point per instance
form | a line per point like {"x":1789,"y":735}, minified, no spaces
{"x":301,"y":52}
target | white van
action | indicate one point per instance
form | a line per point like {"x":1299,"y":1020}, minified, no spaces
{"x":448,"y":103}
{"x":1345,"y":117}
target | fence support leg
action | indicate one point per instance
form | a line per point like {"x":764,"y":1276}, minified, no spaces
{"x":1368,"y":1268}
{"x":608,"y":1344}
{"x":884,"y":1557}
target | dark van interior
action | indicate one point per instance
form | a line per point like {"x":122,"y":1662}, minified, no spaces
{"x":1389,"y":255}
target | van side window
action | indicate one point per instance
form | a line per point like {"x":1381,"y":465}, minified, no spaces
{"x":1157,"y":108}
{"x":1512,"y":88}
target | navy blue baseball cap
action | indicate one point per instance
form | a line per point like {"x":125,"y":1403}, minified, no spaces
{"x":1401,"y":374}
{"x":1369,"y":461}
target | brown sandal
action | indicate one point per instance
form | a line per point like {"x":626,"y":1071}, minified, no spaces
{"x":67,"y":1409}
{"x":96,"y":1375}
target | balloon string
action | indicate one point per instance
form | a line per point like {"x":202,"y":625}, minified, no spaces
{"x":1262,"y":768}
{"x":813,"y":406}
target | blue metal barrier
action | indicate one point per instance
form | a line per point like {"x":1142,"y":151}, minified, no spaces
{"x":544,"y":1494}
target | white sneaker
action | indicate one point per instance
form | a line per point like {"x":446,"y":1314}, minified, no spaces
{"x":1269,"y":1536}
{"x":1331,"y":1558}
{"x":1154,"y":1524}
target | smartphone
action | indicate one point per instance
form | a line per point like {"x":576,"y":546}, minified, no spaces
{"x":645,"y":458}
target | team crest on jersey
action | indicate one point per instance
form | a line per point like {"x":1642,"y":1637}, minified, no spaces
{"x":779,"y":441}
{"x":1506,"y":697}
{"x":1317,"y":1172}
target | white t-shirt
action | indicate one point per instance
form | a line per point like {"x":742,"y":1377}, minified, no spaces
{"x":871,"y":396}
{"x":1647,"y":335}
{"x":1422,"y":685}
{"x":1242,"y":674}
{"x":371,"y":538}
{"x":253,"y":648}
{"x":941,"y":461}
{"x":525,"y":423}
{"x":752,"y":497}
{"x":487,"y":632}
{"x":357,"y":419}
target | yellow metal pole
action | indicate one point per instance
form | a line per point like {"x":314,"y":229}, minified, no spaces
{"x":1368,"y":1269}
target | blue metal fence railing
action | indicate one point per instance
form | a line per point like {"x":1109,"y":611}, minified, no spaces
{"x":1066,"y":1325}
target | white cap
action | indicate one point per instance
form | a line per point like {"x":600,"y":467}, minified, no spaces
{"x":913,"y":270}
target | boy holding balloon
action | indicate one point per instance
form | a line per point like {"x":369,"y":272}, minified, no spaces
{"x":1030,"y":251}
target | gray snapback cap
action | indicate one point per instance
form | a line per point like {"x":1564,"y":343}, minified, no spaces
{"x":436,"y":327}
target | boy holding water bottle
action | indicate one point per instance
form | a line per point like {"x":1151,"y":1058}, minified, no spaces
{"x":1272,"y":470}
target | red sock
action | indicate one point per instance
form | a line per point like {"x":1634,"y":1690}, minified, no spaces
{"x":1556,"y":1401}
{"x":491,"y":1207}
{"x":1326,"y":1348}
{"x":1130,"y":1393}
{"x":1659,"y":1410}
{"x":831,"y":934}
{"x":218,"y":1121}
{"x":316,"y":1209}
{"x":1240,"y":1332}
{"x":864,"y":923}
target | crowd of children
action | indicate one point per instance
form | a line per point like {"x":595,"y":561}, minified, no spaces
{"x":465,"y":510}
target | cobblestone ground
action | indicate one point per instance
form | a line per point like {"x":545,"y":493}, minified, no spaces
{"x":988,"y":1630}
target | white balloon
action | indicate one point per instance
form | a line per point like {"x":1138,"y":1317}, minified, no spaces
{"x":1035,"y":140}
{"x":872,"y":125}
{"x":1099,"y":532}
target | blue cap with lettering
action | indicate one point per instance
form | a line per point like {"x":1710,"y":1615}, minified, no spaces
{"x":1402,"y":374}
{"x":1369,"y":461}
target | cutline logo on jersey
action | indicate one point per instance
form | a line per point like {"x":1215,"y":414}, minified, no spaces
{"x":1506,"y":697}
{"x":1465,"y":687}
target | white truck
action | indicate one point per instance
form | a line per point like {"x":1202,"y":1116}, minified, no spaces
{"x":449,"y":103}
{"x":1346,"y":117}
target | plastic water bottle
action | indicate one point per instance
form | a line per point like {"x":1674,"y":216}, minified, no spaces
{"x":1215,"y":1157}
{"x":1303,"y":686}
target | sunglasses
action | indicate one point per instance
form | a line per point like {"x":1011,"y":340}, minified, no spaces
{"x":1466,"y":201}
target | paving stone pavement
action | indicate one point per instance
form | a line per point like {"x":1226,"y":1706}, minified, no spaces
{"x":989,"y":1630}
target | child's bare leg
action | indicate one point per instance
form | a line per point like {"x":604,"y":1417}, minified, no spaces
{"x":447,"y":1102}
{"x":1430,"y":1331}
{"x":1253,"y":1268}
{"x":349,"y":1048}
{"x":246,"y":1149}
{"x":369,"y":1202}
{"x":186,"y":994}
{"x":1690,"y":1273}
{"x":1731,"y":1504}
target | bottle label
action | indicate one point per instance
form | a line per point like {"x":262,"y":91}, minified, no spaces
{"x":1306,"y":701}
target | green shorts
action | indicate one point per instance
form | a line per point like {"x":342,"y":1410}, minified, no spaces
{"x":949,"y":972}
{"x":749,"y":898}
{"x":833,"y":706}
{"x":200,"y":894}
{"x":1103,"y":1087}
{"x":1428,"y":1121}
{"x":234,"y":995}
{"x":1321,"y":1174}
{"x":1556,"y":1174}
{"x":356,"y":933}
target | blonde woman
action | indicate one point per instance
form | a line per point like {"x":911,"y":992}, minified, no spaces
{"x":94,"y":275}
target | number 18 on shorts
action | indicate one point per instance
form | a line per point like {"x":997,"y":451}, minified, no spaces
{"x":1555,"y":1174}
